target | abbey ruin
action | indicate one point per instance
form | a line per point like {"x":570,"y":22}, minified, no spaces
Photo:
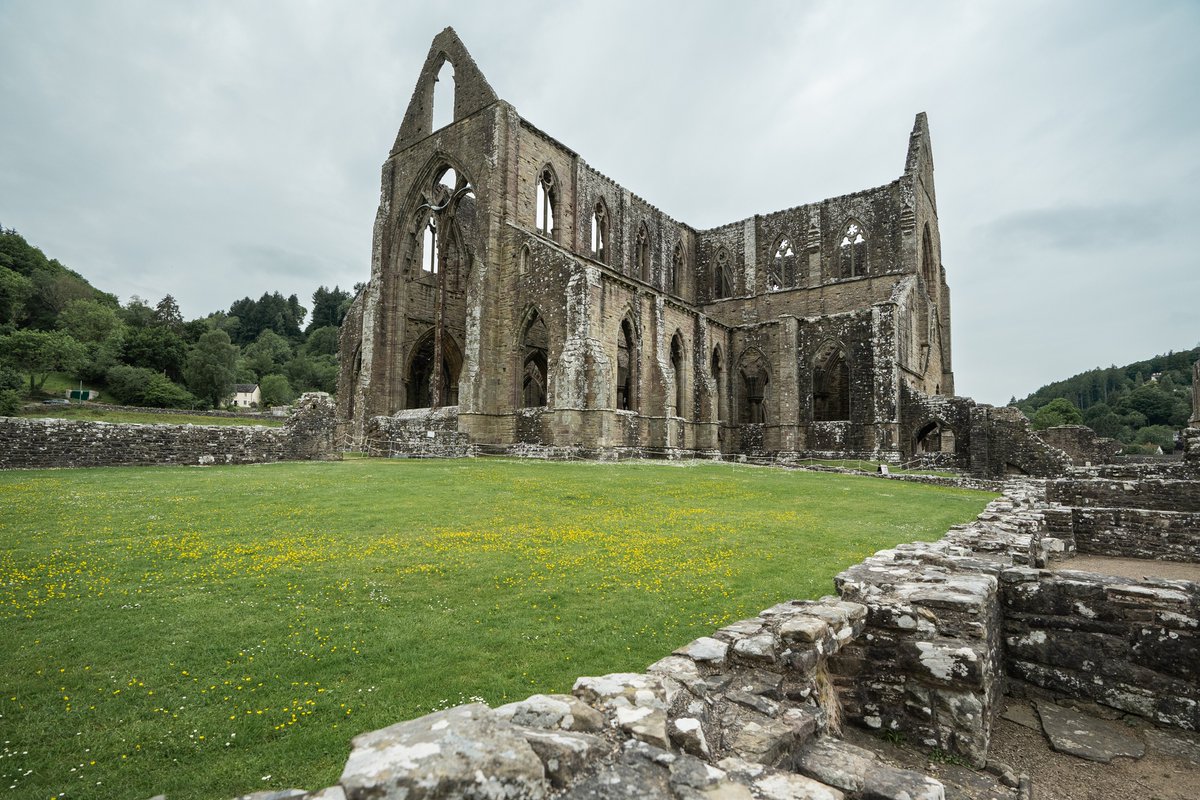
{"x":518,"y":298}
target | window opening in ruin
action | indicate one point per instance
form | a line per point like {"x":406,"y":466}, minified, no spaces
{"x":535,"y":346}
{"x":831,"y":384}
{"x":853,"y":249}
{"x":627,"y":360}
{"x":546,"y":195}
{"x":677,"y":398}
{"x":675,"y":279}
{"x":753,"y":379}
{"x":723,"y":280}
{"x":718,"y":376}
{"x":600,"y":232}
{"x":524,"y":260}
{"x":443,"y":96}
{"x":429,"y":249}
{"x":928,"y":269}
{"x":936,"y":437}
{"x":642,"y":269}
{"x":782,"y":270}
{"x":420,"y":372}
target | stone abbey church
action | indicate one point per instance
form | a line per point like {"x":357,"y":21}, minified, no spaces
{"x":519,"y":299}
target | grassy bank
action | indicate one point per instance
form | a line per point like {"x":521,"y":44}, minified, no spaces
{"x":210,"y":632}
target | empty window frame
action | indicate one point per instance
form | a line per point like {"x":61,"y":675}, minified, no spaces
{"x":722,"y":276}
{"x":641,"y":267}
{"x":547,"y":196}
{"x":679,"y":383}
{"x":852,"y":250}
{"x":627,"y":364}
{"x":535,"y":344}
{"x":831,"y":383}
{"x":600,"y":232}
{"x":781,"y":272}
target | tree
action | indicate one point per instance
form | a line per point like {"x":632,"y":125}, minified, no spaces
{"x":322,"y":341}
{"x":270,"y":312}
{"x":138,"y":313}
{"x":268,"y":353}
{"x":136,"y":386}
{"x":1057,"y":412}
{"x":167,"y":314}
{"x":313,"y":373}
{"x":276,"y":390}
{"x":157,"y":348}
{"x":211,"y":368}
{"x":329,"y":308}
{"x":99,"y":327}
{"x":15,"y":290}
{"x":41,"y":352}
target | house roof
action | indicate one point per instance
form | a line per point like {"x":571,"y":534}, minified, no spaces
{"x":245,"y":388}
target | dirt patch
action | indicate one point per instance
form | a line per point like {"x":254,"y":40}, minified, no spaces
{"x":1136,"y":568}
{"x":1159,"y":775}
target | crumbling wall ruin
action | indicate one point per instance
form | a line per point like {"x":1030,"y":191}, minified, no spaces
{"x":36,"y":443}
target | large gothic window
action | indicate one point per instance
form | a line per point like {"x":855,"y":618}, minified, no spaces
{"x":852,"y":250}
{"x":546,"y":202}
{"x":831,"y":383}
{"x":929,"y":270}
{"x":535,"y":344}
{"x":722,"y":276}
{"x":717,"y":369}
{"x":641,"y":267}
{"x":600,"y":232}
{"x":420,"y":374}
{"x":627,"y":364}
{"x":675,"y":276}
{"x":781,"y":273}
{"x":752,"y":385}
{"x":678,"y":401}
{"x":443,"y":96}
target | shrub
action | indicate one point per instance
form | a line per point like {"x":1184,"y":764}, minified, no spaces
{"x":137,"y":386}
{"x":10,"y":402}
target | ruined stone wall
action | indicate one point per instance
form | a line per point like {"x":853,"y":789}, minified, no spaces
{"x":1147,"y":517}
{"x":30,"y":443}
{"x":1081,"y":443}
{"x":417,"y":433}
{"x":1127,"y":644}
{"x":1162,"y":494}
{"x":1129,"y":532}
{"x":1002,"y":443}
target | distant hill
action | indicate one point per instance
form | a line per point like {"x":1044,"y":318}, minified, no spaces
{"x":1141,"y":403}
{"x":35,"y":289}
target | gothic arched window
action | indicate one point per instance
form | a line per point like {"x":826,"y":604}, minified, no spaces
{"x":853,"y":250}
{"x":546,"y":197}
{"x":600,"y":232}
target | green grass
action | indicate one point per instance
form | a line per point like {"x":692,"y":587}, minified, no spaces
{"x":210,"y":632}
{"x":93,"y":414}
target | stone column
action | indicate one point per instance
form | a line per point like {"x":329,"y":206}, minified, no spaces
{"x":1195,"y":420}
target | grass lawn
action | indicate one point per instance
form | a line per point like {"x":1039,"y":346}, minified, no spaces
{"x":93,"y":414}
{"x":206,"y":632}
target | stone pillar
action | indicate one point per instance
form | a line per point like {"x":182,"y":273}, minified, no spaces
{"x":1194,"y":422}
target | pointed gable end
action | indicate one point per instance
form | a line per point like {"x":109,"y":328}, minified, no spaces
{"x":470,"y":90}
{"x":919,"y":163}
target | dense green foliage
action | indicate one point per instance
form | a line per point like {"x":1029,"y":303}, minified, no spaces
{"x":1141,"y":403}
{"x":139,"y":353}
{"x":189,"y":631}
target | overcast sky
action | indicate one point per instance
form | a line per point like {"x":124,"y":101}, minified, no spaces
{"x":214,"y":150}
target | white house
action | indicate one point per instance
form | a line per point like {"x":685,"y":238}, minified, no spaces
{"x":246,"y":395}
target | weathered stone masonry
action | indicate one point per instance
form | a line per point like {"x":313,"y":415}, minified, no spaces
{"x":564,"y":311}
{"x":51,"y":443}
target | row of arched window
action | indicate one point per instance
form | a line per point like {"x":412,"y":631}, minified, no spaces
{"x":785,"y":268}
{"x":831,"y":376}
{"x":600,"y":239}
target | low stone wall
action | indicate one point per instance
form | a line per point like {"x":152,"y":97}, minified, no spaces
{"x":1081,"y":443}
{"x":1161,"y":494}
{"x":36,"y":443}
{"x":1129,"y":532}
{"x":1132,"y":645}
{"x":930,"y":664}
{"x":417,"y":433}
